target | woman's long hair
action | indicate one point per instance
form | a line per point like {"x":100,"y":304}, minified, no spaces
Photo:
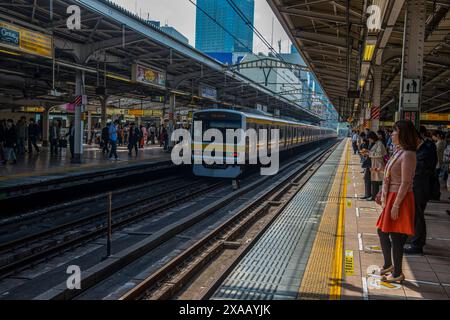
{"x":407,"y":135}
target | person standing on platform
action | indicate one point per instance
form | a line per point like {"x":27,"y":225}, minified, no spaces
{"x":54,"y":134}
{"x":426,"y":158}
{"x":376,"y":155}
{"x":120,"y":134}
{"x":355,"y":142}
{"x":152,"y":134}
{"x":396,"y":221}
{"x":112,"y":130}
{"x":366,"y":164}
{"x":2,"y":140}
{"x":22,"y":134}
{"x":439,"y":138}
{"x":105,"y":140}
{"x":133,"y":139}
{"x":33,"y":134}
{"x":143,"y":137}
{"x":446,"y":160}
{"x":71,"y":135}
{"x":382,"y":137}
{"x":10,"y":141}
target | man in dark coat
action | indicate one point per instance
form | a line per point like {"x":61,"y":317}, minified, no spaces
{"x":33,"y":134}
{"x":54,"y":135}
{"x":10,"y":141}
{"x":133,"y":139}
{"x":425,"y":170}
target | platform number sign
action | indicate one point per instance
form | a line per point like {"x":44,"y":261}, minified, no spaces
{"x":411,"y":94}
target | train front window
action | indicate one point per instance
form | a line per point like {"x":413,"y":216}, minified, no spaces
{"x":221,"y":125}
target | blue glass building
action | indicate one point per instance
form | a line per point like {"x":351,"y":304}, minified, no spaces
{"x":211,"y":38}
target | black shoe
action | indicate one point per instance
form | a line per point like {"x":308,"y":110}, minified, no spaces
{"x":364,"y":198}
{"x":413,"y":250}
{"x":370,"y":199}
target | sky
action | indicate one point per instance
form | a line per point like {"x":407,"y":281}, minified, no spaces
{"x":180,"y":14}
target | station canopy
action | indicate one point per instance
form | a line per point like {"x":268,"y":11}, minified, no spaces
{"x":319,"y":30}
{"x":121,"y":56}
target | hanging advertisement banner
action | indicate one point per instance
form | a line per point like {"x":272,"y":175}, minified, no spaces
{"x":207,"y":92}
{"x":24,"y":40}
{"x":148,"y":76}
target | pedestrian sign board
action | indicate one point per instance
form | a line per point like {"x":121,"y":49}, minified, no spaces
{"x":411,"y":89}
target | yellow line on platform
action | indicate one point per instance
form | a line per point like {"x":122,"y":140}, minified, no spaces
{"x":320,"y":274}
{"x":336,"y":285}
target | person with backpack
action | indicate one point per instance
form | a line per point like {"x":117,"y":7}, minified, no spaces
{"x":112,"y":130}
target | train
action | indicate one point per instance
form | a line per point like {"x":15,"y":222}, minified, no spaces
{"x":292,"y":134}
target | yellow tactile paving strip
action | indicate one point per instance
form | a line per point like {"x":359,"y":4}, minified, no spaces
{"x":323,"y":274}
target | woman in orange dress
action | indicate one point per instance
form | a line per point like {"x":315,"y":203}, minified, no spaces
{"x":396,"y":221}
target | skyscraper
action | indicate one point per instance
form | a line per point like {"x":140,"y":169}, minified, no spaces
{"x":211,"y":38}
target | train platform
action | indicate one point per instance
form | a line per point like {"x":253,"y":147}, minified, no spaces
{"x":324,"y":245}
{"x":41,"y":170}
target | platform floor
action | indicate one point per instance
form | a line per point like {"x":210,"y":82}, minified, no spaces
{"x":427,"y":276}
{"x":324,"y":246}
{"x":43,"y":167}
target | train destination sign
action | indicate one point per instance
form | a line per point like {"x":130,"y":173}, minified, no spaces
{"x":25,"y":40}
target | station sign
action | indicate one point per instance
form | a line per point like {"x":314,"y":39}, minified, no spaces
{"x":435,"y":117}
{"x":33,"y":109}
{"x":207,"y":92}
{"x":25,"y":40}
{"x":145,"y":113}
{"x":148,"y":76}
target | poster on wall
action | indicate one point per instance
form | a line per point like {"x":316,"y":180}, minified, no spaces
{"x":148,"y":76}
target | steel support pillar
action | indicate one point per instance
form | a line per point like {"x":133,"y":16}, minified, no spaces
{"x":170,"y":130}
{"x":45,"y":127}
{"x":103,"y":101}
{"x":78,"y":141}
{"x":89,"y":126}
{"x":414,"y":48}
{"x":376,"y":98}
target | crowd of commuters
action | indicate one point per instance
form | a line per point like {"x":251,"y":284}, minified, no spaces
{"x":133,"y":136}
{"x":21,"y":137}
{"x":404,"y":169}
{"x":16,"y":137}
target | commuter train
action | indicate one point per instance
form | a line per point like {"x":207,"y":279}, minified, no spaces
{"x":291,"y":135}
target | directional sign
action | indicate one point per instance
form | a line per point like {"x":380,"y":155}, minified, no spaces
{"x":411,"y":88}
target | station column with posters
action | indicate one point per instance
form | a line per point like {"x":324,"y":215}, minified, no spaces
{"x":171,"y":128}
{"x":79,"y":109}
{"x":375,"y":110}
{"x":413,"y":63}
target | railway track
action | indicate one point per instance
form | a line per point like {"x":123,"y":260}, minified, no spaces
{"x":222,"y":248}
{"x":112,"y":274}
{"x":30,"y":249}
